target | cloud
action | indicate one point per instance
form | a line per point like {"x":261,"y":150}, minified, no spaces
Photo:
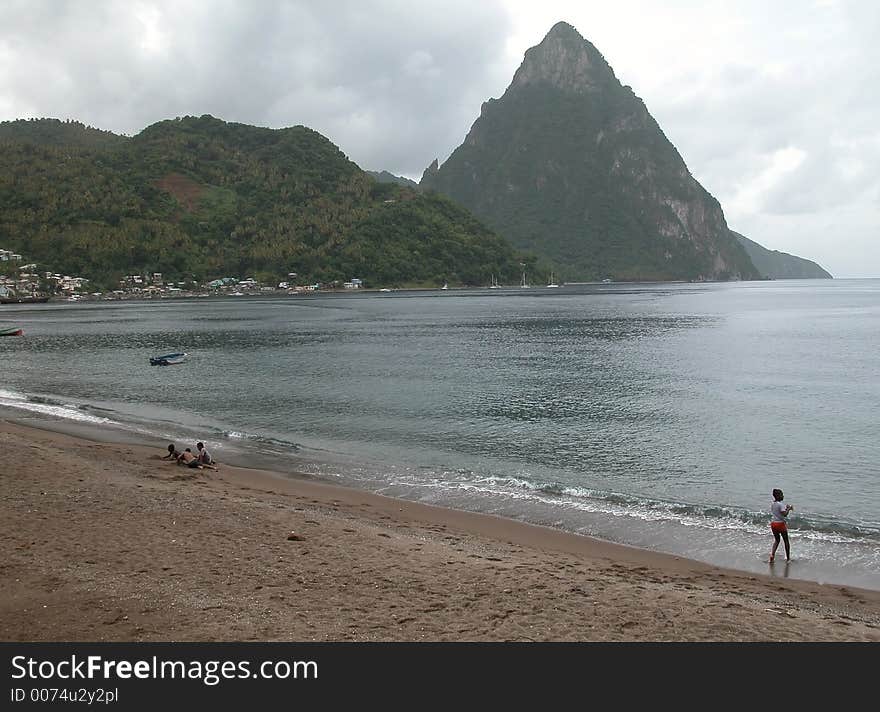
{"x":390,"y":82}
{"x":771,"y":171}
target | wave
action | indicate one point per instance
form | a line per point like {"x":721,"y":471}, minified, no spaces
{"x":616,"y":504}
{"x":88,"y":413}
{"x":284,"y":445}
{"x":555,"y":494}
{"x":52,"y":407}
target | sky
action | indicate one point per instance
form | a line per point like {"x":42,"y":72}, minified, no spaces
{"x":772,"y":105}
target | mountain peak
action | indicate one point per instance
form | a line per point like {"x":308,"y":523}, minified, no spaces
{"x":566,"y":60}
{"x":562,"y":30}
{"x":569,"y":165}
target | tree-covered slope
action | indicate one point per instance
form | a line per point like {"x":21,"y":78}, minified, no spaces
{"x":201,"y":198}
{"x":53,"y":132}
{"x":386,"y":177}
{"x":781,"y":265}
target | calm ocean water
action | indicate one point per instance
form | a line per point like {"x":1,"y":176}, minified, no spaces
{"x":659,"y":416}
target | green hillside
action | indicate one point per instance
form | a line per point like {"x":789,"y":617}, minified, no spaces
{"x":386,"y":177}
{"x":53,"y":132}
{"x":781,"y":265}
{"x":202,"y":198}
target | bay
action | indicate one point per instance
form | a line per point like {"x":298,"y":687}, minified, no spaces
{"x":656,"y":415}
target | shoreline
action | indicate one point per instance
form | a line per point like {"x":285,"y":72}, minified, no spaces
{"x":722,"y":553}
{"x":185,"y":295}
{"x":105,"y":541}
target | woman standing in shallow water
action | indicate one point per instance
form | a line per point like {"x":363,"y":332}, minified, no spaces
{"x":778,"y":514}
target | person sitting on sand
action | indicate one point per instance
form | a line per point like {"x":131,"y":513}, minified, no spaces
{"x":173,"y":453}
{"x":204,"y":456}
{"x":778,"y":514}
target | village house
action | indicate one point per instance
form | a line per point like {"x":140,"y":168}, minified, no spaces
{"x":71,"y":284}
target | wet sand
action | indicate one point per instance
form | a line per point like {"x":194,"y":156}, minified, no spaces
{"x":107,"y":542}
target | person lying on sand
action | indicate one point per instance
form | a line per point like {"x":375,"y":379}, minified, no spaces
{"x":188,"y":459}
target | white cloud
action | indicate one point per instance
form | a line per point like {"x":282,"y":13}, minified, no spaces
{"x":153,"y":38}
{"x":420,"y":64}
{"x":771,"y":170}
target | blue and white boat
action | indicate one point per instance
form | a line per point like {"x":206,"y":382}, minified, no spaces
{"x":168,"y":359}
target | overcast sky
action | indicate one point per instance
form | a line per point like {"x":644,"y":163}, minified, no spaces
{"x":772,"y":105}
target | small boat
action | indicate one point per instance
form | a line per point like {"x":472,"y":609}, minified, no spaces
{"x":552,"y":281}
{"x":168,"y":359}
{"x":11,"y":331}
{"x":34,"y":299}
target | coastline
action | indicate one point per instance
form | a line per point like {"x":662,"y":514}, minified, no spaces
{"x":105,"y":541}
{"x":184,"y":295}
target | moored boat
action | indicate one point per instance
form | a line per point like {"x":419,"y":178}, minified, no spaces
{"x":24,"y":300}
{"x":168,"y":359}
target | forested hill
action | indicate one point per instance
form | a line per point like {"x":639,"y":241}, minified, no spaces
{"x":198,"y":197}
{"x":386,"y":177}
{"x":781,"y":265}
{"x":53,"y":132}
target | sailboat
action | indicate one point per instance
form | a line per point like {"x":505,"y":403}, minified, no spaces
{"x":524,"y":284}
{"x":445,"y":286}
{"x":494,"y":284}
{"x":552,"y":282}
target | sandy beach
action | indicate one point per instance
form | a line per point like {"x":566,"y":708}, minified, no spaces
{"x":107,"y":542}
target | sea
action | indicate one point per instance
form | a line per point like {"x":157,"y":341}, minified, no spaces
{"x":658,"y":416}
